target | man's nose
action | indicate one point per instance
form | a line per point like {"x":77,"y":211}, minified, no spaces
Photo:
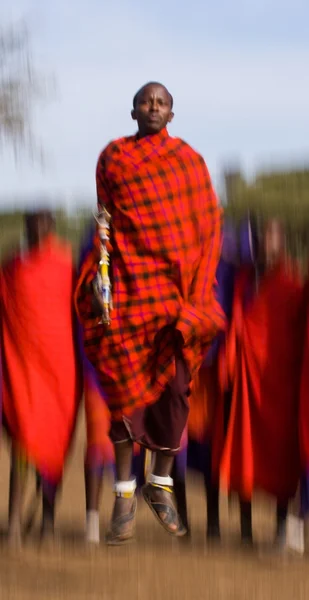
{"x":154,"y":105}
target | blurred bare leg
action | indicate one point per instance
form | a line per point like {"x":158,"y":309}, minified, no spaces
{"x":18,"y":479}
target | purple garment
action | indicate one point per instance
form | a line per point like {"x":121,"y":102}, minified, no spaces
{"x":225,"y":290}
{"x":230,"y":249}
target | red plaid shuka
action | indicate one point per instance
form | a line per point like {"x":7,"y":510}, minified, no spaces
{"x":166,"y":238}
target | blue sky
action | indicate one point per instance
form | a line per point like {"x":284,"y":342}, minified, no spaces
{"x":238,"y":71}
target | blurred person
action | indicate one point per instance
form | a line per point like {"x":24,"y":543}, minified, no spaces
{"x":239,"y":247}
{"x":99,"y":455}
{"x":40,"y":374}
{"x":99,"y":451}
{"x":261,"y":366}
{"x":304,"y":417}
{"x":166,"y":237}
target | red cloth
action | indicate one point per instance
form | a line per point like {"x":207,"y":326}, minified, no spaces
{"x":262,"y":365}
{"x":40,"y":375}
{"x":304,"y":390}
{"x":166,"y":238}
{"x":203,"y":401}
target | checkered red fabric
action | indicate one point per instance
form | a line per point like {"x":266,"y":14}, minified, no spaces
{"x":166,"y":238}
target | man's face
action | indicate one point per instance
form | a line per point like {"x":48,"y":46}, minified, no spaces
{"x":153,"y":109}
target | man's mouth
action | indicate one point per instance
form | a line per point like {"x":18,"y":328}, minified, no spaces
{"x":153,"y":117}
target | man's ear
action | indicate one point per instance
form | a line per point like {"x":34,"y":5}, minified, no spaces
{"x":133,"y":115}
{"x":170,"y":118}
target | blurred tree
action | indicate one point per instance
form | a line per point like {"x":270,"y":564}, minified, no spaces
{"x":20,"y":87}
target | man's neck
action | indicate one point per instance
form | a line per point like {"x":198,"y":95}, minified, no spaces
{"x":142,"y":134}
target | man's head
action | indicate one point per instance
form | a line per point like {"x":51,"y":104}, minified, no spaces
{"x":38,"y":225}
{"x":274,"y":241}
{"x":152,"y":108}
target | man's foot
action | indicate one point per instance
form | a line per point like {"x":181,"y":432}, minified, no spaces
{"x":122,"y":527}
{"x":213,"y":534}
{"x":49,"y":541}
{"x":246,"y":524}
{"x":247,"y":541}
{"x":161,"y":500}
{"x":281,"y":534}
{"x":246,"y":533}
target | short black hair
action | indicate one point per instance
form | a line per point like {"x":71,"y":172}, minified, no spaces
{"x":152,"y":83}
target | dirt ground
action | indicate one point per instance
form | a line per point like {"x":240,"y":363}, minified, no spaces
{"x":155,"y":566}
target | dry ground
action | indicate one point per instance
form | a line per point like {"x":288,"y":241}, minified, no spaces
{"x":155,"y":567}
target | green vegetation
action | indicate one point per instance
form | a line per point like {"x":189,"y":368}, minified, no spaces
{"x":69,"y":227}
{"x":279,"y":194}
{"x":274,"y":194}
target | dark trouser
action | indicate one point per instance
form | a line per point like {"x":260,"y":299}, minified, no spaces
{"x":159,"y":426}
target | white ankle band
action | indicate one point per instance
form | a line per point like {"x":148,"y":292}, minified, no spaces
{"x":125,"y":487}
{"x":161,"y":480}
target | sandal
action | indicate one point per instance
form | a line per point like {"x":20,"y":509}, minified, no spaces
{"x":172,"y":517}
{"x":115,"y":536}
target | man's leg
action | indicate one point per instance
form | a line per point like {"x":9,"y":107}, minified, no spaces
{"x":99,"y":452}
{"x":123,"y":517}
{"x":246,"y":522}
{"x":213,"y":521}
{"x":18,"y":479}
{"x":49,"y":493}
{"x":93,"y":491}
{"x":164,"y":424}
{"x":93,"y":472}
{"x":212,"y":496}
{"x":281,"y":523}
